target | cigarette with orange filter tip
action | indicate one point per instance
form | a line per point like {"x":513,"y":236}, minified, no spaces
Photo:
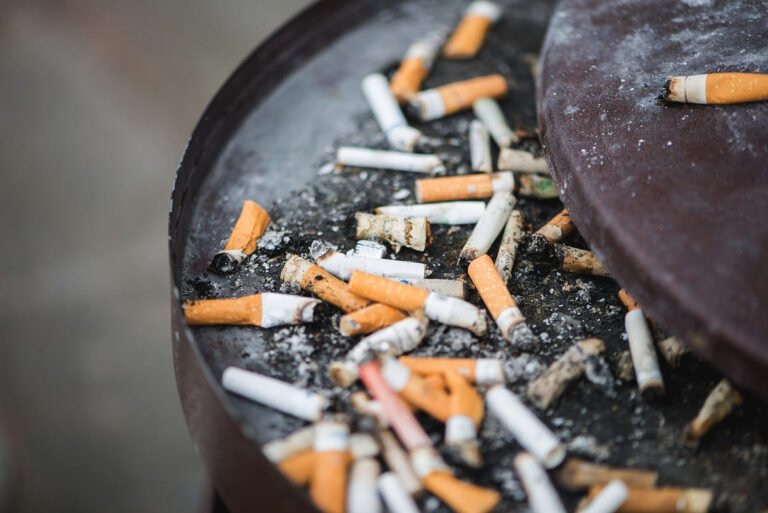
{"x":328,"y":486}
{"x":363,"y":445}
{"x":396,"y":160}
{"x":274,"y":393}
{"x":370,"y":249}
{"x":451,"y":98}
{"x":415,"y":390}
{"x":299,"y":468}
{"x":395,"y":496}
{"x":447,"y":310}
{"x":415,"y":66}
{"x":450,"y":212}
{"x":480,"y":147}
{"x":720,"y":402}
{"x":536,"y":186}
{"x":549,"y":385}
{"x":521,"y":161}
{"x":452,"y":188}
{"x":609,"y":499}
{"x":467,"y":409}
{"x":342,"y":266}
{"x":369,"y":319}
{"x":411,"y":232}
{"x":388,"y":115}
{"x":542,"y":497}
{"x":510,"y":240}
{"x":452,"y":288}
{"x":482,"y":372}
{"x":364,"y":405}
{"x":312,"y":278}
{"x":662,"y":500}
{"x":644,"y":359}
{"x":362,"y":495}
{"x":577,"y":475}
{"x":266,"y":310}
{"x":469,"y":35}
{"x":460,"y":496}
{"x":525,"y":426}
{"x":579,"y":261}
{"x":673,"y":350}
{"x":488,"y":111}
{"x":500,"y":303}
{"x":293,"y":444}
{"x":557,"y":228}
{"x":249,"y":228}
{"x":489,"y":226}
{"x":398,"y":462}
{"x":717,"y":88}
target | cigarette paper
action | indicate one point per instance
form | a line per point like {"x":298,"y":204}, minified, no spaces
{"x":452,"y":212}
{"x":647,"y":371}
{"x":299,"y":467}
{"x":720,"y":402}
{"x":267,"y":309}
{"x":542,"y":497}
{"x":396,"y":497}
{"x":480,"y":147}
{"x":411,"y":232}
{"x":500,"y":302}
{"x":452,"y":288}
{"x":466,"y":413}
{"x":370,"y":249}
{"x":363,"y":445}
{"x":461,"y":497}
{"x":283,"y":448}
{"x":328,"y":485}
{"x":388,"y":114}
{"x":521,"y":161}
{"x":548,"y":386}
{"x":718,"y":88}
{"x":415,"y":390}
{"x":398,"y":461}
{"x":447,"y":310}
{"x":451,"y":98}
{"x":488,"y":111}
{"x":314,"y":279}
{"x":557,"y":228}
{"x":609,"y":499}
{"x":362,"y":495}
{"x":577,"y":475}
{"x":580,"y":261}
{"x":469,"y":34}
{"x":510,"y":240}
{"x":342,"y":266}
{"x":451,"y":188}
{"x":274,"y":393}
{"x":537,"y":186}
{"x":400,"y":161}
{"x":662,"y":500}
{"x":673,"y":350}
{"x":369,"y":319}
{"x":489,"y":226}
{"x":415,"y":66}
{"x":249,"y":228}
{"x":481,"y":371}
{"x":529,"y":431}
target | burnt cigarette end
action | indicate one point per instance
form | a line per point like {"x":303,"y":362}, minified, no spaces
{"x":224,"y":263}
{"x":521,"y":337}
{"x":667,"y":90}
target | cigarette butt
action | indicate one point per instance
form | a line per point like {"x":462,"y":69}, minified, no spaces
{"x":363,"y":445}
{"x":580,"y":261}
{"x":460,"y":496}
{"x":364,"y":405}
{"x":249,"y":228}
{"x":362,"y":495}
{"x":466,"y":414}
{"x":609,"y":499}
{"x":557,"y":228}
{"x":673,"y":350}
{"x":662,"y":500}
{"x":489,"y":226}
{"x":328,"y":485}
{"x":480,"y":371}
{"x":521,"y":161}
{"x":293,"y":444}
{"x":274,"y":393}
{"x":548,"y":386}
{"x":641,"y":347}
{"x":488,"y":111}
{"x":468,"y":37}
{"x":718,"y":88}
{"x":396,"y":497}
{"x":720,"y":402}
{"x":397,"y":460}
{"x":510,"y":240}
{"x":415,"y":66}
{"x":411,"y":232}
{"x":451,"y":212}
{"x":314,"y":279}
{"x":542,"y":497}
{"x":451,"y":98}
{"x":453,"y":188}
{"x":388,"y":114}
{"x":577,"y":475}
{"x":536,"y":186}
{"x":370,"y":249}
{"x":480,"y":147}
{"x":627,"y":300}
{"x":370,"y":319}
{"x":342,"y":266}
{"x":299,"y":468}
{"x":267,"y":309}
{"x":500,"y":302}
{"x":415,"y":390}
{"x":452,"y":288}
{"x":380,"y":159}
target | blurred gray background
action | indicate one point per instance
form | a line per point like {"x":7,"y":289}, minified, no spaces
{"x":97,"y":100}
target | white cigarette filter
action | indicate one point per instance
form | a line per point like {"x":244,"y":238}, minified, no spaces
{"x":396,"y":497}
{"x":328,"y":485}
{"x":510,"y":240}
{"x":489,"y":226}
{"x":274,"y":393}
{"x":399,"y":161}
{"x":342,"y":266}
{"x":398,"y":462}
{"x":542,"y":497}
{"x":527,"y":429}
{"x":641,"y":347}
{"x":450,"y":288}
{"x":720,"y":402}
{"x":480,"y":147}
{"x":370,"y":249}
{"x":450,"y":188}
{"x":362,"y":494}
{"x":609,"y":499}
{"x":411,"y":232}
{"x":283,"y":448}
{"x":468,"y":37}
{"x":388,"y":114}
{"x":488,"y":111}
{"x":536,"y":186}
{"x":451,"y":98}
{"x":718,"y":88}
{"x":521,"y":161}
{"x":450,"y":212}
{"x":266,"y":310}
{"x":415,"y":66}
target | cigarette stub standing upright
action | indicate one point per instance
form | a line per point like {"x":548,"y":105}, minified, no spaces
{"x":415,"y":66}
{"x":411,"y":232}
{"x":718,"y":88}
{"x":266,"y":310}
{"x":720,"y":402}
{"x":388,"y":114}
{"x":450,"y":212}
{"x":510,"y":240}
{"x":399,"y":161}
{"x":466,"y":413}
{"x":521,"y":161}
{"x":469,"y":35}
{"x":542,"y":497}
{"x":328,"y":486}
{"x":314,"y":279}
{"x":451,"y":98}
{"x":489,"y":226}
{"x":480,"y":371}
{"x":249,"y":228}
{"x":488,"y":111}
{"x":557,"y":228}
{"x":453,"y":188}
{"x":480,"y":147}
{"x":641,"y":347}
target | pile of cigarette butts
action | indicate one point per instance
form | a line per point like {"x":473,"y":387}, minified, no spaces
{"x":391,"y":303}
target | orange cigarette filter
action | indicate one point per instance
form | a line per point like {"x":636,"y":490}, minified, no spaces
{"x":557,"y":228}
{"x":491,"y":287}
{"x":627,"y":300}
{"x":369,"y":319}
{"x":426,"y":395}
{"x":299,"y":467}
{"x":578,"y":474}
{"x":450,"y":98}
{"x":408,"y":78}
{"x":718,"y":88}
{"x":460,"y":496}
{"x":390,"y":292}
{"x":451,"y":188}
{"x":482,"y":371}
{"x":662,"y":500}
{"x":246,"y":310}
{"x":467,"y":409}
{"x":464,"y":399}
{"x":470,"y":33}
{"x":314,"y":279}
{"x":249,"y":228}
{"x":328,"y":485}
